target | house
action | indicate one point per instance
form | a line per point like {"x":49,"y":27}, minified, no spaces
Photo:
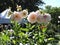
{"x":4,"y":19}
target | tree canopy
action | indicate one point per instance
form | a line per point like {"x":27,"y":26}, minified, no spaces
{"x":29,"y":4}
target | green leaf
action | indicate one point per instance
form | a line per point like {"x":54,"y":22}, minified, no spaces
{"x":38,"y":27}
{"x":21,"y":34}
{"x":26,"y":35}
{"x":50,"y":38}
{"x":14,"y":41}
{"x":40,"y":40}
{"x":32,"y":27}
{"x":5,"y":38}
{"x":44,"y":29}
{"x":24,"y":29}
{"x":28,"y":25}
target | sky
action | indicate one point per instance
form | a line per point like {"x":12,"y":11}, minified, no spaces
{"x":53,"y":3}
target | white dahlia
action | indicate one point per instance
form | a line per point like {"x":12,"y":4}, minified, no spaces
{"x":46,"y":18}
{"x":24,"y":13}
{"x":32,"y":17}
{"x":39,"y":18}
{"x":38,"y":12}
{"x":16,"y":16}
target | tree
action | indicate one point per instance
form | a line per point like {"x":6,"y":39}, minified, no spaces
{"x":29,"y":4}
{"x":55,"y":12}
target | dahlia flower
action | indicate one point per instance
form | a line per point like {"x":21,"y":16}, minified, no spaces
{"x":32,"y":17}
{"x":24,"y":13}
{"x":39,"y":18}
{"x":16,"y":16}
{"x":38,"y":12}
{"x":46,"y":18}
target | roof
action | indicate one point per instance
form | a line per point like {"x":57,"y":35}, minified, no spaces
{"x":4,"y":21}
